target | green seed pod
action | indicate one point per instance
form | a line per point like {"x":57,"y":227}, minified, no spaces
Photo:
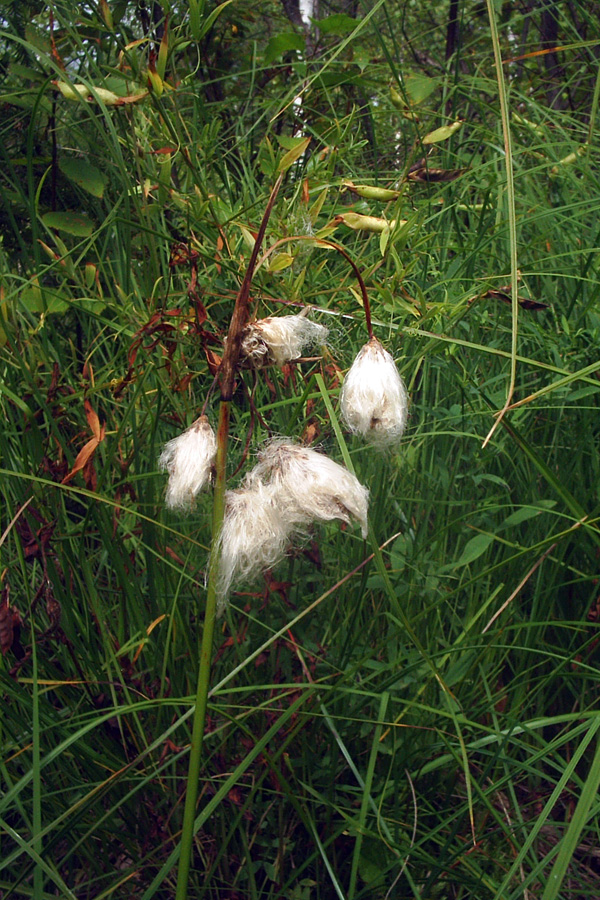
{"x":568,"y":160}
{"x":73,"y":92}
{"x":396,"y":98}
{"x":371,"y":192}
{"x":358,"y":222}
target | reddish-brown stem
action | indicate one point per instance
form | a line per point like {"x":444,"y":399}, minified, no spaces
{"x":325,"y":243}
{"x":241,"y":311}
{"x":359,"y":278}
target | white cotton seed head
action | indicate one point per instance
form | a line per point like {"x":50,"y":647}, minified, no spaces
{"x":279,"y":339}
{"x":373,"y":400}
{"x":188,"y":459}
{"x":254,"y":536}
{"x":310,"y":486}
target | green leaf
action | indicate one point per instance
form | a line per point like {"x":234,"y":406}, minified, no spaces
{"x":71,"y":222}
{"x":279,"y":262}
{"x":288,"y":143}
{"x":210,"y":20}
{"x":283,"y":43}
{"x":523,"y":514}
{"x":442,"y":134}
{"x":31,"y":298}
{"x":337,"y":24}
{"x":27,"y":100}
{"x":419,"y":87}
{"x":383,"y":240}
{"x":249,"y":238}
{"x":85,"y":175}
{"x":292,"y":155}
{"x":474,"y":549}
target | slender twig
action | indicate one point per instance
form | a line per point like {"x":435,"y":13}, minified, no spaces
{"x":241,"y":312}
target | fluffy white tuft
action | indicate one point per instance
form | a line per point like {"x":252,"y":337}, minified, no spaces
{"x":290,"y":487}
{"x":373,"y":400}
{"x":254,"y":536}
{"x":311,"y":486}
{"x":188,"y":459}
{"x":279,"y":339}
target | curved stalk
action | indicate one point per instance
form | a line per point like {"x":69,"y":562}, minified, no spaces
{"x":321,"y":242}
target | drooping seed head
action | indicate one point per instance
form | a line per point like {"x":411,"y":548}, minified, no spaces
{"x":311,"y":486}
{"x":254,"y":535}
{"x":188,"y":459}
{"x":373,"y":399}
{"x":279,"y":339}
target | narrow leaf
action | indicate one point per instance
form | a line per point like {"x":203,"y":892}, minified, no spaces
{"x":442,"y":134}
{"x":474,"y":549}
{"x":292,"y":155}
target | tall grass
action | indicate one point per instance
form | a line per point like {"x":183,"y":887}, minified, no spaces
{"x":412,"y":721}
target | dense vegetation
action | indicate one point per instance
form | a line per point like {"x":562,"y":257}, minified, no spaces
{"x":416,"y":721}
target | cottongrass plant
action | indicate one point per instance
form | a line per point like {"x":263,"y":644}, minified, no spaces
{"x":289,"y":489}
{"x":374,"y":400}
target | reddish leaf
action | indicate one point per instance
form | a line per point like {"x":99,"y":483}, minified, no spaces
{"x":503,"y":294}
{"x":423,"y":174}
{"x":83,"y":456}
{"x":93,"y":420}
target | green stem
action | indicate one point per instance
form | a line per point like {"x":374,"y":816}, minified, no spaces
{"x":227,"y":375}
{"x":512,"y":216}
{"x":191,"y":796}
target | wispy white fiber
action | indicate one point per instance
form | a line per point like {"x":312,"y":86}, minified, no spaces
{"x":289,"y":488}
{"x":254,"y":536}
{"x":373,"y":400}
{"x":188,"y":459}
{"x":279,"y":339}
{"x":311,"y":486}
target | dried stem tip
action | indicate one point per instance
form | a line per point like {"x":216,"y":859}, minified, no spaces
{"x":188,"y":459}
{"x":311,"y":486}
{"x":278,"y":339}
{"x":373,"y":400}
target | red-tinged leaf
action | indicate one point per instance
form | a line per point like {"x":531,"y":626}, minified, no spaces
{"x":423,"y":174}
{"x":163,"y":51}
{"x":174,"y":556}
{"x":524,"y":302}
{"x":6,"y":621}
{"x":85,"y":454}
{"x":220,"y":245}
{"x":90,"y":477}
{"x":131,"y":98}
{"x":92,"y":420}
{"x":213,"y":359}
